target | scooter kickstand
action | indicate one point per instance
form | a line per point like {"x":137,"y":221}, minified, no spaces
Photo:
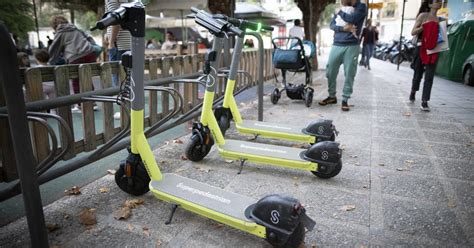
{"x":242,"y":161}
{"x":173,"y":209}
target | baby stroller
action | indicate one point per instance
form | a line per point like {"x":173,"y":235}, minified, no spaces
{"x":293,"y":59}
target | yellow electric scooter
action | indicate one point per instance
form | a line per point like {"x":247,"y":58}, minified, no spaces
{"x":280,"y":220}
{"x":315,"y":131}
{"x":323,"y":159}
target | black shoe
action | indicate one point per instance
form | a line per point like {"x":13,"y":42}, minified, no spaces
{"x":412,"y":96}
{"x":345,"y":106}
{"x":425,"y":107}
{"x":329,"y":100}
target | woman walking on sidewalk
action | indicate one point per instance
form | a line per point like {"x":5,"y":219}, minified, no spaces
{"x":424,"y":63}
{"x":370,"y":36}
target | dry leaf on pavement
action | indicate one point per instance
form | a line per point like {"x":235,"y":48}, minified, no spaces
{"x":229,"y":161}
{"x":348,"y":207}
{"x":87,"y":217}
{"x":52,"y":227}
{"x":451,"y":204}
{"x":158,"y":243}
{"x":409,"y":161}
{"x":133,"y":203}
{"x":111,"y":172}
{"x":407,"y":114}
{"x":122,"y":214}
{"x":73,"y":191}
{"x":104,"y":190}
{"x":354,"y":156}
{"x":146,"y":231}
{"x":183,"y":157}
{"x":130,"y":227}
{"x":357,"y":164}
{"x":401,"y":169}
{"x":381,"y":164}
{"x":178,"y":141}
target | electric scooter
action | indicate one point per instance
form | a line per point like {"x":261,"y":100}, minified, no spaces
{"x":279,"y":220}
{"x":323,"y":159}
{"x":316,"y":131}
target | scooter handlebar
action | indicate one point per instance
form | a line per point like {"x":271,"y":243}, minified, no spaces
{"x":109,"y":19}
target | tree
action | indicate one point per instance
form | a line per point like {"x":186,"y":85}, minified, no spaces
{"x":17,"y":16}
{"x":97,"y":6}
{"x":225,"y":7}
{"x":312,"y":10}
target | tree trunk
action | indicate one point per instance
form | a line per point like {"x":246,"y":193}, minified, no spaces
{"x":220,"y":7}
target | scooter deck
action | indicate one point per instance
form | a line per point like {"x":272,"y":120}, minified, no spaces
{"x":203,"y":195}
{"x":266,"y":154}
{"x":275,"y":130}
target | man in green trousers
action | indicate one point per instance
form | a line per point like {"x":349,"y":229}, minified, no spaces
{"x":345,"y":50}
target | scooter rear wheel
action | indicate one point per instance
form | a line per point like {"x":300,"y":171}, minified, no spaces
{"x":334,"y":173}
{"x":296,"y":238}
{"x":195,"y":150}
{"x":275,"y":96}
{"x":137,"y":184}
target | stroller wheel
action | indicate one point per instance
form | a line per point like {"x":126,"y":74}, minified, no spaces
{"x":275,"y":96}
{"x":308,"y":97}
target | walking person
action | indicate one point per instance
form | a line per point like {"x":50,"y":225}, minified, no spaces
{"x":345,"y":50}
{"x":369,"y":39}
{"x":297,"y":30}
{"x":119,"y":39}
{"x":424,"y":63}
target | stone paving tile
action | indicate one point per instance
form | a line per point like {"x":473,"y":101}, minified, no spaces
{"x":394,"y":132}
{"x":447,"y":137}
{"x":397,"y":145}
{"x":460,"y":169}
{"x":397,"y":122}
{"x":390,"y":161}
{"x":402,"y":183}
{"x":441,"y":126}
{"x":419,"y":219}
{"x":452,"y":151}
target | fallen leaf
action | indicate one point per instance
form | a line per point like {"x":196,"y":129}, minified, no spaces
{"x":167,"y":143}
{"x":381,"y":164}
{"x":409,"y":162}
{"x":178,"y":141}
{"x":158,"y":243}
{"x":348,"y":207}
{"x":66,"y":216}
{"x":401,"y":169}
{"x":130,"y":227}
{"x":219,"y":225}
{"x":133,"y":203}
{"x":73,"y":191}
{"x":179,"y":170}
{"x":383,"y":177}
{"x":295,"y":178}
{"x":183,"y":157}
{"x":52,"y":227}
{"x":122,"y":213}
{"x":365,"y":187}
{"x":111,"y":172}
{"x":146,"y":231}
{"x":407,"y":114}
{"x":203,"y":169}
{"x":229,"y":161}
{"x":104,"y":190}
{"x":87,"y":217}
{"x":451,"y":204}
{"x":354,"y":156}
{"x":357,"y":164}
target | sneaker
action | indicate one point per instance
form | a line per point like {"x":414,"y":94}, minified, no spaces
{"x":329,"y":100}
{"x":368,"y":67}
{"x":425,"y":107}
{"x":76,"y":109}
{"x":412,"y":96}
{"x":117,"y":116}
{"x":345,"y":106}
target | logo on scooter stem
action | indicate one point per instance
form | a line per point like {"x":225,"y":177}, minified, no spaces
{"x":275,"y":217}
{"x":321,"y":130}
{"x":325,"y":155}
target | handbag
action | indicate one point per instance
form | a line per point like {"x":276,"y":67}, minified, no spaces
{"x":287,"y":59}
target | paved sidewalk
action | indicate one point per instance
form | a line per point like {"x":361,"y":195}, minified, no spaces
{"x":408,"y":174}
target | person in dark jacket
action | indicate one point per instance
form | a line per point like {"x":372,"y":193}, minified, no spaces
{"x":369,"y":39}
{"x":345,"y":50}
{"x":426,"y":66}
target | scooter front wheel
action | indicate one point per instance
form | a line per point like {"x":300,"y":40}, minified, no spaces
{"x":137,"y":183}
{"x":275,"y":96}
{"x":224,"y":124}
{"x":334,"y":173}
{"x":196,"y":150}
{"x":308,"y":98}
